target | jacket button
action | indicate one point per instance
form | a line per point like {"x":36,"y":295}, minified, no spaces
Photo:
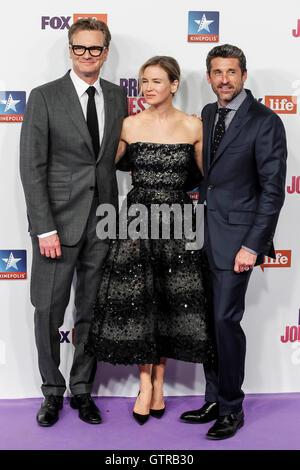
{"x":210,"y":186}
{"x":92,"y":188}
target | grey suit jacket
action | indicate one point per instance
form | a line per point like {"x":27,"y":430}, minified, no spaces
{"x":57,"y":163}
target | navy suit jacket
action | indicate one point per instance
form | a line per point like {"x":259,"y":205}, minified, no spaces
{"x":244,"y":186}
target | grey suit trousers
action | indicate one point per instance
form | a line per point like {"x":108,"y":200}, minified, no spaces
{"x":51,"y":281}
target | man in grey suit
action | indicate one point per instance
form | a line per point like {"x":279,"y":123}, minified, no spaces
{"x":69,"y":140}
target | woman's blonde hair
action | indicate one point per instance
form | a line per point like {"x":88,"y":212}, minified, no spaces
{"x":169,"y":64}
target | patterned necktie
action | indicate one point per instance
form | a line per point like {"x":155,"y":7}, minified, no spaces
{"x":219,"y":131}
{"x":92,"y":120}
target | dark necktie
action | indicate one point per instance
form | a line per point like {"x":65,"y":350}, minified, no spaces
{"x":92,"y":120}
{"x":219,"y":131}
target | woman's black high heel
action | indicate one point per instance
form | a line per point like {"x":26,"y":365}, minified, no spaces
{"x":157,"y":413}
{"x":141,"y":419}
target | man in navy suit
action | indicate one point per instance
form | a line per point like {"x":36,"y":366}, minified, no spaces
{"x":244,"y":161}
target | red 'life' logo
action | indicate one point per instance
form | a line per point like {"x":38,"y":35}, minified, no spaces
{"x":283,"y":260}
{"x":282,"y":104}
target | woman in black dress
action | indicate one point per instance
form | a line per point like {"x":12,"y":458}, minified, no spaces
{"x":152,"y":301}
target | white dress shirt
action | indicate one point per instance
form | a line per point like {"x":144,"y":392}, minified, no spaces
{"x":81,"y":86}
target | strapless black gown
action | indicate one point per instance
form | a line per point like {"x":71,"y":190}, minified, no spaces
{"x":152,"y":301}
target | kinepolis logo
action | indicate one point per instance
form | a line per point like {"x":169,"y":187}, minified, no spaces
{"x":136,"y":103}
{"x":203,"y":26}
{"x":294,"y":187}
{"x":13,"y":264}
{"x":12,"y":106}
{"x":63,"y":22}
{"x":292,"y":333}
{"x":283,"y":260}
{"x":282,"y":104}
{"x":296,"y":32}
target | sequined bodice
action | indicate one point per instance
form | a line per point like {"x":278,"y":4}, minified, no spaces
{"x":160,"y":166}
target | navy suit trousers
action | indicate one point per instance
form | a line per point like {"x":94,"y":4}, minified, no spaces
{"x":224,"y":379}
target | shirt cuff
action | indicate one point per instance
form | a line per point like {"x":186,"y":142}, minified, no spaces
{"x":250,"y":251}
{"x":44,"y":235}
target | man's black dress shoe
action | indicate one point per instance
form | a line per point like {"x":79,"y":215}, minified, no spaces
{"x":88,"y":411}
{"x":208,"y":412}
{"x":48,"y":413}
{"x":226,"y":426}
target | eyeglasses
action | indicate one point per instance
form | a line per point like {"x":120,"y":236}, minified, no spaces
{"x":95,"y":51}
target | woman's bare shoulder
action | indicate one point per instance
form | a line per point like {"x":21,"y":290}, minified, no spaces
{"x":132,"y":126}
{"x":130,"y":123}
{"x":134,"y":120}
{"x":192,"y":124}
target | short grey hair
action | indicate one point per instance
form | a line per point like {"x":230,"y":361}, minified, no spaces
{"x":226,"y":51}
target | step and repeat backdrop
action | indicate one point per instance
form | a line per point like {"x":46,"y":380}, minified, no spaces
{"x":34,"y":47}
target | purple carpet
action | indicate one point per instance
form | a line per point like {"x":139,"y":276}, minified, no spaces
{"x":271,"y":422}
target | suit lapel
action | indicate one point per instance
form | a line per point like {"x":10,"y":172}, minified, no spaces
{"x":240,"y":119}
{"x":70,"y":100}
{"x":108,"y":98}
{"x":208,"y":136}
